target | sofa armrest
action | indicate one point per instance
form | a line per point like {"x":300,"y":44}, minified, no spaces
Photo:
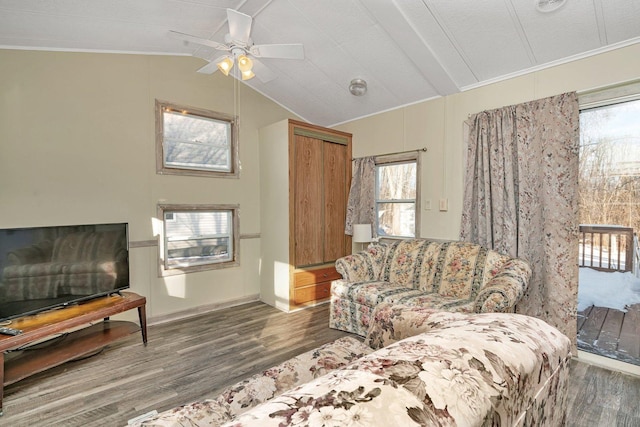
{"x":363,"y":266}
{"x":353,"y":268}
{"x":502,"y":293}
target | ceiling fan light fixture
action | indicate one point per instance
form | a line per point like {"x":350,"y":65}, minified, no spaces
{"x":247,"y":75}
{"x":245,"y":63}
{"x":358,"y":87}
{"x":225,"y":65}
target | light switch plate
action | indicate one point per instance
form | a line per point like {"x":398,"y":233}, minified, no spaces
{"x":444,"y":205}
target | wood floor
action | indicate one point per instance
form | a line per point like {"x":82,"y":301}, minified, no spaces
{"x":611,"y":333}
{"x":193,"y":359}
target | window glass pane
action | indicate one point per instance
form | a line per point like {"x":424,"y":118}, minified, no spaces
{"x":196,"y":142}
{"x":396,"y":219}
{"x":196,"y":238}
{"x":397,"y":181}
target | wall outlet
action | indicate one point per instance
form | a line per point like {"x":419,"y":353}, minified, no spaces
{"x":444,"y":205}
{"x":427,"y":205}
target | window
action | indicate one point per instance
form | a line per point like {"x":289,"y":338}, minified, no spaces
{"x":609,"y":215}
{"x":192,"y":141}
{"x":397,"y":195}
{"x":198,"y":237}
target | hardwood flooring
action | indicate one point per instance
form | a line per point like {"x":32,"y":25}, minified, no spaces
{"x":195,"y":358}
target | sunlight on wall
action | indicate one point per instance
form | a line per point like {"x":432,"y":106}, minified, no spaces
{"x":176,"y":286}
{"x":281,"y":284}
{"x":157,"y":226}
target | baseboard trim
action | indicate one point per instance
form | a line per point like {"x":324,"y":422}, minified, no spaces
{"x":203,"y":309}
{"x":608,"y":363}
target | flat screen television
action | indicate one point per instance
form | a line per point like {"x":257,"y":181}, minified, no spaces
{"x":43,"y":268}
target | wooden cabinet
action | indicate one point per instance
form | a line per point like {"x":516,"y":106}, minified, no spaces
{"x":313,"y":284}
{"x":309,"y":217}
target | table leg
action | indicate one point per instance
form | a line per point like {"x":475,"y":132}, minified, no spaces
{"x":142,"y":314}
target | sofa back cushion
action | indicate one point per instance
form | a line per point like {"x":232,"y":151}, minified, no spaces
{"x":408,"y":261}
{"x":465,"y":268}
{"x":449,"y":268}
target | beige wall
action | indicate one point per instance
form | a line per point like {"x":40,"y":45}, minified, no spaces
{"x":438,"y":125}
{"x":77,"y":146}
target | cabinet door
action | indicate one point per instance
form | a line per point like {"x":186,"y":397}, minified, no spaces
{"x":308,"y":208}
{"x":335,"y":200}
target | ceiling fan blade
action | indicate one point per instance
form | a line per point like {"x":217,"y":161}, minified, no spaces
{"x":198,"y":40}
{"x":210,"y":68}
{"x":262,"y":72}
{"x":282,"y":51}
{"x":239,"y":26}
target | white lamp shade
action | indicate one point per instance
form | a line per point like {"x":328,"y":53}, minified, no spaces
{"x":361,"y":233}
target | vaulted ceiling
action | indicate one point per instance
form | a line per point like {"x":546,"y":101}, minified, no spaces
{"x":406,"y":50}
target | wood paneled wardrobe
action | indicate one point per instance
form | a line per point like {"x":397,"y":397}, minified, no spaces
{"x":305,"y":174}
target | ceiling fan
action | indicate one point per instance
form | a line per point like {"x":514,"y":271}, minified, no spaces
{"x":240,"y":49}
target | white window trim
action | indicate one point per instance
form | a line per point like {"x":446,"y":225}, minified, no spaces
{"x":609,"y":95}
{"x":235,"y":237}
{"x":162,"y":169}
{"x":411,"y":156}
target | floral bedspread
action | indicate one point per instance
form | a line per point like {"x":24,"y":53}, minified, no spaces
{"x":466,"y":370}
{"x":261,"y":387}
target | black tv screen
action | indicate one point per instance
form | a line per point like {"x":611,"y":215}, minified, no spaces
{"x":43,"y":268}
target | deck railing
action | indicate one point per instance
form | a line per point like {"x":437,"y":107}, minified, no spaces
{"x":608,"y":248}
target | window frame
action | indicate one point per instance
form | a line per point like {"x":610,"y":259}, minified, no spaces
{"x":389,"y":160}
{"x":165,"y":270}
{"x":163,"y":169}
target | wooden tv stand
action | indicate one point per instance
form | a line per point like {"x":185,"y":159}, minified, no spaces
{"x":78,"y":343}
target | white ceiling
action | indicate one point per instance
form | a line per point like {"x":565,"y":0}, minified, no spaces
{"x":406,"y":50}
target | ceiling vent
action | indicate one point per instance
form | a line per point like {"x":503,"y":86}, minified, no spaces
{"x":547,"y":6}
{"x":358,"y":87}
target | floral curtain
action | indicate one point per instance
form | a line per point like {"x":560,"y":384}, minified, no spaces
{"x":361,"y":205}
{"x":520,"y":198}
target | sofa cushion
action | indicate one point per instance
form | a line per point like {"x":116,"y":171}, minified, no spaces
{"x":452,"y":269}
{"x":370,"y":294}
{"x":405,"y":265}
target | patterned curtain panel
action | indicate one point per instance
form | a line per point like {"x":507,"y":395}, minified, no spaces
{"x":521,"y":198}
{"x":361,"y":206}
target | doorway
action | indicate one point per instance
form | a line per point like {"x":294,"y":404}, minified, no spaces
{"x":609,"y":206}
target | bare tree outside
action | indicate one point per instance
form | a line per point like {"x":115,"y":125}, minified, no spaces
{"x":609,"y":180}
{"x":395,"y":201}
{"x":194,"y":141}
{"x":610,"y":165}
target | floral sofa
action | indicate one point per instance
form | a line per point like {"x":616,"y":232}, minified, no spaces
{"x":459,"y":370}
{"x":447,"y":275}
